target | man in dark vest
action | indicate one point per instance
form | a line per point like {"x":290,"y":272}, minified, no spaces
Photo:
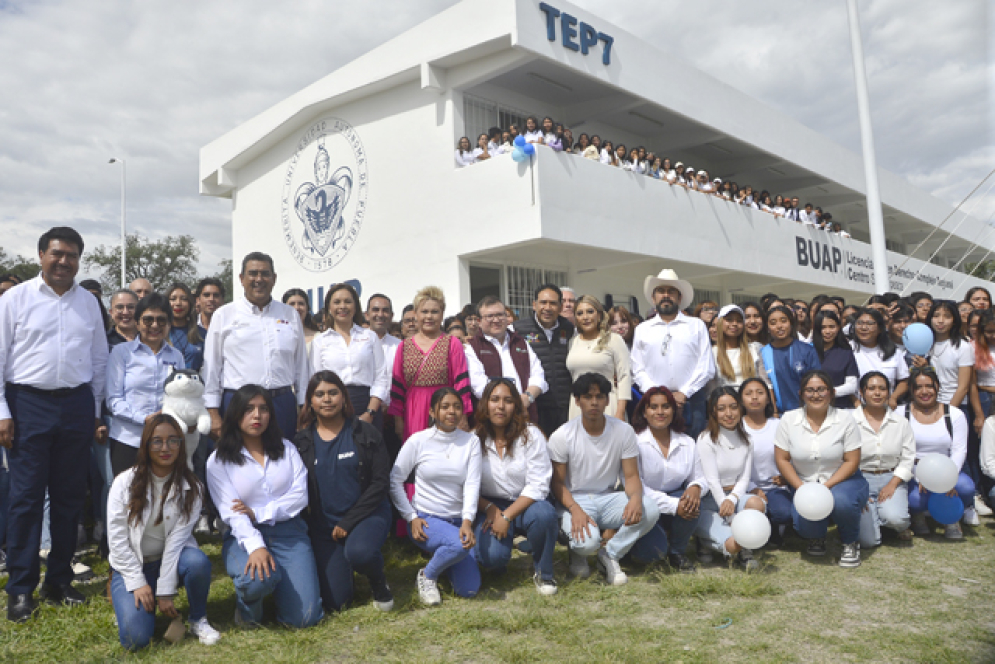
{"x":548,"y":334}
{"x":497,"y":352}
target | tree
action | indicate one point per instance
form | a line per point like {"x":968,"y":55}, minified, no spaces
{"x":226,"y":277}
{"x":985,"y":270}
{"x":162,"y":262}
{"x":24,"y":268}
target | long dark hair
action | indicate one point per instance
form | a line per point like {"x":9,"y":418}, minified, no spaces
{"x":309,"y":323}
{"x":142,"y":480}
{"x":357,"y":316}
{"x":307,"y":415}
{"x":518,"y":426}
{"x":885,"y":344}
{"x":951,"y":307}
{"x":437,"y":398}
{"x":982,"y":352}
{"x":639,"y":422}
{"x":713,"y":420}
{"x":193,"y":333}
{"x":769,"y":408}
{"x":818,"y":342}
{"x":229,"y":448}
{"x":821,"y":375}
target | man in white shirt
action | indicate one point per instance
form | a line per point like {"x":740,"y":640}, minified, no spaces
{"x":256,"y":340}
{"x":807,"y":216}
{"x":380,"y":314}
{"x":672,"y":349}
{"x":53,"y":359}
{"x":494,"y":141}
{"x":496,"y":352}
{"x":589,"y":454}
{"x":209,"y":296}
{"x":569,"y":302}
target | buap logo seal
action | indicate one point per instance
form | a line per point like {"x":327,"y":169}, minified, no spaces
{"x":322,"y":210}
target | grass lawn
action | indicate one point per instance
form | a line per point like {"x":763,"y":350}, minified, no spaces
{"x":931,"y":602}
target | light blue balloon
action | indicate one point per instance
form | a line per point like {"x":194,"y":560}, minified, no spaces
{"x":529,"y":149}
{"x":518,"y":155}
{"x":945,"y":509}
{"x":520,"y":141}
{"x":918,"y":339}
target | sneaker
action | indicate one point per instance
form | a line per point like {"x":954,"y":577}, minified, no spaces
{"x":579,"y":566}
{"x":817,"y":547}
{"x":746,"y":560}
{"x":43,"y":554}
{"x":851,"y":555}
{"x":428,"y":590}
{"x":203,"y":526}
{"x":383,"y":599}
{"x":953,"y":532}
{"x":981,"y":507}
{"x":704,"y":554}
{"x":906,"y":535}
{"x":545,"y":587}
{"x":204,"y":632}
{"x":81,"y":571}
{"x":681,"y":563}
{"x":970,"y":517}
{"x":919,"y":525}
{"x":611,"y":569}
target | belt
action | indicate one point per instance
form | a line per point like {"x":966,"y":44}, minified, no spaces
{"x":273,"y":391}
{"x":878,"y":472}
{"x":58,"y":392}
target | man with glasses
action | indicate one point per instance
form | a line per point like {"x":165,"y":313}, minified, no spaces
{"x":672,"y":349}
{"x":497,"y":352}
{"x":260,"y":341}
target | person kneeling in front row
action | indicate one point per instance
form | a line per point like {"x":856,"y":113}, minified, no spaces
{"x":588,"y":454}
{"x":151,"y":512}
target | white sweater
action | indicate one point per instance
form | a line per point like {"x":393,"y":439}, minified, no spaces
{"x":726,"y":462}
{"x":447,"y":475}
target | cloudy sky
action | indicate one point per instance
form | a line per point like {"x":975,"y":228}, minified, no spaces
{"x":152,"y":82}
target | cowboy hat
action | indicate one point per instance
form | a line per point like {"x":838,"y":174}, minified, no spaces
{"x":668,"y":277}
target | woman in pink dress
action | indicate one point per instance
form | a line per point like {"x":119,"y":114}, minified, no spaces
{"x":425,"y":362}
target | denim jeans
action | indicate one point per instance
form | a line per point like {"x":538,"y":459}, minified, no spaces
{"x":102,"y":455}
{"x":448,"y":555}
{"x":713,"y":530}
{"x":294,"y":583}
{"x":918,"y":501}
{"x":135,"y":626}
{"x":360,"y":552}
{"x":606,"y":510}
{"x":538,"y":523}
{"x":849,"y":499}
{"x":4,"y":498}
{"x":892,"y":513}
{"x":671,"y":534}
{"x":779,"y":506}
{"x":694,"y":413}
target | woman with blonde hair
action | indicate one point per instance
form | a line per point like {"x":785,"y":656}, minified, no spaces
{"x":596,"y":349}
{"x":736,"y":357}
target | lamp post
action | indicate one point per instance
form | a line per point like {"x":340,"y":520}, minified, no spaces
{"x":124,"y":176}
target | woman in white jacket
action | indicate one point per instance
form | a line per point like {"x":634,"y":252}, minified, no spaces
{"x":152,"y":509}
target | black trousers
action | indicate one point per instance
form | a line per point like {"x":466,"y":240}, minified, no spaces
{"x":552,"y":418}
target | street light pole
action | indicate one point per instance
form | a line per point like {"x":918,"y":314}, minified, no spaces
{"x":124,"y":245}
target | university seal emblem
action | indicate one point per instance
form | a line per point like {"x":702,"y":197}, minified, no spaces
{"x":322,"y":209}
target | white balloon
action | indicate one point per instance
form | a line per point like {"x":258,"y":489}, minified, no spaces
{"x":814,"y":501}
{"x":936,"y":472}
{"x":751,"y":529}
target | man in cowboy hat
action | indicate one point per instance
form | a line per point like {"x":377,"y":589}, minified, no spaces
{"x":672,"y":349}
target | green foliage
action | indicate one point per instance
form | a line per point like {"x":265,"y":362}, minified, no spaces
{"x":227,"y":278}
{"x":162,"y":262}
{"x":984,"y":270}
{"x":25,"y":268}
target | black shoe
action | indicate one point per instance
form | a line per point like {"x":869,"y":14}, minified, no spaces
{"x":66,"y":595}
{"x":681,"y":563}
{"x":20,"y":607}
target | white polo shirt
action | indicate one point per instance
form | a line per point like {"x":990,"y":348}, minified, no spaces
{"x":526,"y":472}
{"x":663,"y":475}
{"x":817,"y":455}
{"x":892,"y":447}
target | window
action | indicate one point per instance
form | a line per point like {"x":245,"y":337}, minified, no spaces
{"x":742,"y":298}
{"x":479,"y":115}
{"x":522,"y":283}
{"x":701,"y":295}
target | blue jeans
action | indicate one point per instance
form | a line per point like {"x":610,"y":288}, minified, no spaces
{"x":135,"y":626}
{"x":336,"y":561}
{"x":538,"y":523}
{"x":918,"y":501}
{"x":448,"y":555}
{"x":713,"y":530}
{"x":779,"y":506}
{"x":606,"y":510}
{"x":294,"y":583}
{"x":4,"y":497}
{"x":102,"y":456}
{"x":695,"y":416}
{"x":892,"y":513}
{"x":655,"y":545}
{"x":849,"y":499}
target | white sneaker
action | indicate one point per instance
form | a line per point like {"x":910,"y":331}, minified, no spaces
{"x":545,"y":587}
{"x":204,"y":632}
{"x":43,"y":554}
{"x":428,"y":590}
{"x":981,"y":507}
{"x":611,"y":569}
{"x":851,"y":555}
{"x":970,"y":517}
{"x":579,"y":566}
{"x":953,"y":532}
{"x":919,"y":525}
{"x":81,"y":571}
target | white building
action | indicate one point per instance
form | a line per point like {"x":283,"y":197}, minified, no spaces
{"x":354,"y":176}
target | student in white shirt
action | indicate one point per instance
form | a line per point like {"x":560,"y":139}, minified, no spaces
{"x":727,"y":463}
{"x":446,"y":463}
{"x":464,"y":153}
{"x":888,"y":451}
{"x":736,"y":358}
{"x":821,"y":443}
{"x":259,"y":484}
{"x":533,"y":133}
{"x":951,"y":355}
{"x":494,"y":146}
{"x":482,"y":151}
{"x":941,"y":429}
{"x":151,"y":512}
{"x":760,"y":425}
{"x":589,"y":454}
{"x":987,"y":455}
{"x":875,"y":351}
{"x":671,"y":474}
{"x":515,"y":471}
{"x":353,"y":352}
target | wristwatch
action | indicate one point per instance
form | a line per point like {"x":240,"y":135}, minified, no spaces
{"x":371,"y":412}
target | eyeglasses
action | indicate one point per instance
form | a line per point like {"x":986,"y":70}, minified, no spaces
{"x":709,"y":308}
{"x":171,"y":443}
{"x":494,"y":317}
{"x":149,"y":321}
{"x":801,"y":309}
{"x":816,"y":391}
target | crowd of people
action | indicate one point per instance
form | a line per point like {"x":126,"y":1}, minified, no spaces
{"x":637,"y":159}
{"x":307,"y":441}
